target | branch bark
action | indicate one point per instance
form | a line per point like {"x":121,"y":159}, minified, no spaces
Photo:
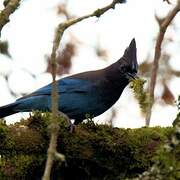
{"x":54,"y":128}
{"x":10,"y":7}
{"x":162,"y":30}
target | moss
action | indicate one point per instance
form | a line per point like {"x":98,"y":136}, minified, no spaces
{"x":92,"y":152}
{"x":140,"y":94}
{"x":166,"y":161}
{"x":116,"y":152}
{"x":3,"y":132}
{"x":21,"y":167}
{"x":6,"y":141}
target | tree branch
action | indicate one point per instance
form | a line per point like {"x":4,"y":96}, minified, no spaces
{"x":23,"y":150}
{"x":54,"y":94}
{"x":162,"y":30}
{"x":10,"y":7}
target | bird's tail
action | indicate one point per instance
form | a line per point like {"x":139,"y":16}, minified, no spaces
{"x":7,"y":110}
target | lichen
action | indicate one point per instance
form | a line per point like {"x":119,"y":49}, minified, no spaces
{"x":137,"y":85}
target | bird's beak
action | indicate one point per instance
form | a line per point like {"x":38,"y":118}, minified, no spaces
{"x":132,"y":76}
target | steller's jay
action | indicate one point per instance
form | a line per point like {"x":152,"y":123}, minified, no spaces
{"x":91,"y":92}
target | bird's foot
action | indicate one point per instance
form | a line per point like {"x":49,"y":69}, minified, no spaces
{"x":71,"y":125}
{"x":72,"y":128}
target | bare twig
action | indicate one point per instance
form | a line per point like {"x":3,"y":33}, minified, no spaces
{"x":162,"y":29}
{"x":10,"y":7}
{"x":167,"y":1}
{"x":54,"y":128}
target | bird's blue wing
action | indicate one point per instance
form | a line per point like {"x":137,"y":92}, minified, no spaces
{"x":65,"y":85}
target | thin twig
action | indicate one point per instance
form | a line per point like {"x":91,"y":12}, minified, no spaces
{"x":162,"y":29}
{"x":167,"y":1}
{"x":54,"y":128}
{"x":10,"y":7}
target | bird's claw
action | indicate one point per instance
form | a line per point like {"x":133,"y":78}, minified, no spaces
{"x":72,"y":128}
{"x":71,"y":125}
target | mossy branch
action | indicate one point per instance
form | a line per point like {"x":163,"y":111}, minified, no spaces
{"x":10,"y":7}
{"x":57,"y":39}
{"x":167,"y":161}
{"x":162,"y":30}
{"x":92,"y":152}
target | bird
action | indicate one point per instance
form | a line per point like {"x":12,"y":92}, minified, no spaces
{"x":91,"y":92}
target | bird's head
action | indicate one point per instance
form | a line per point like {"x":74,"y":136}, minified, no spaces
{"x":128,"y":65}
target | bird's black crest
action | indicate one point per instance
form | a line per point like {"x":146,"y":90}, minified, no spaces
{"x":130,"y":55}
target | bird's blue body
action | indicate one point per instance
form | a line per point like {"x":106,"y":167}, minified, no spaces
{"x":91,"y":92}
